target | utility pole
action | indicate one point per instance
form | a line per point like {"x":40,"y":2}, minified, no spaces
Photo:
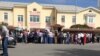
{"x":75,"y":10}
{"x":98,"y":4}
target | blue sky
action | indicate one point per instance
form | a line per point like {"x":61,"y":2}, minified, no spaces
{"x":83,"y":3}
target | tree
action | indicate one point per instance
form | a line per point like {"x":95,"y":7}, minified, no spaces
{"x":81,"y":26}
{"x":98,"y":28}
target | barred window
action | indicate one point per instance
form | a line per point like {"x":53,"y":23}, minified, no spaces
{"x":63,"y":19}
{"x":5,"y":16}
{"x":34,"y":18}
{"x":47,"y":19}
{"x":20,"y":18}
{"x":74,"y":19}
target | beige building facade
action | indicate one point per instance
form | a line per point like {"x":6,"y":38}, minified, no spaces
{"x":35,"y":15}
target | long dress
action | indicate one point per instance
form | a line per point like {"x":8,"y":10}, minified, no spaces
{"x":84,"y":38}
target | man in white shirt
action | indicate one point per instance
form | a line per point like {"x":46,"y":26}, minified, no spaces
{"x":5,"y":35}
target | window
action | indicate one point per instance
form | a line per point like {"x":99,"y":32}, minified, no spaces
{"x":47,"y":19}
{"x":5,"y":16}
{"x":74,"y":19}
{"x":85,"y":18}
{"x":34,"y":9}
{"x":90,"y":10}
{"x":63,"y":19}
{"x":34,"y":18}
{"x":20,"y":18}
{"x":31,"y":18}
{"x":89,"y":19}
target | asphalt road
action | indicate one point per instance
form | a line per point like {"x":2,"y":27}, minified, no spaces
{"x":55,"y":50}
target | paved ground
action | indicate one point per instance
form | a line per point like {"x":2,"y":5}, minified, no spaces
{"x":55,"y":50}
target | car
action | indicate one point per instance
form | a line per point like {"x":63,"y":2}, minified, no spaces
{"x":11,"y":41}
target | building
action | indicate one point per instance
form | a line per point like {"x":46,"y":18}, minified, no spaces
{"x":35,"y":15}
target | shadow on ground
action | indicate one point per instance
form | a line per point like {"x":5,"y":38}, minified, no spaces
{"x":75,"y":52}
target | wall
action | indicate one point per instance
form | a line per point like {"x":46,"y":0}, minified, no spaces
{"x":80,"y":17}
{"x":43,"y":12}
{"x":10,"y":16}
{"x":68,"y":19}
{"x":19,"y":11}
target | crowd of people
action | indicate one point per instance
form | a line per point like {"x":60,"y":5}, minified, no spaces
{"x":50,"y":37}
{"x":45,"y":37}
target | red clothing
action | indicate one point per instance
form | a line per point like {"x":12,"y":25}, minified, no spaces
{"x":84,"y":38}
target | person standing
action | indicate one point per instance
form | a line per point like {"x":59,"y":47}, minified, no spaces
{"x":82,"y":38}
{"x":51,"y":37}
{"x":60,"y":37}
{"x":40,"y":37}
{"x":65,"y":36}
{"x":5,"y":35}
{"x":25,"y":36}
{"x":85,"y":39}
{"x":45,"y":37}
{"x":79,"y":38}
{"x":68,"y":38}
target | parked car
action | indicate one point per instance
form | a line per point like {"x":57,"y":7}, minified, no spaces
{"x":11,"y":41}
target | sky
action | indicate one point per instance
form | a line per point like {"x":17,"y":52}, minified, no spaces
{"x":82,"y":3}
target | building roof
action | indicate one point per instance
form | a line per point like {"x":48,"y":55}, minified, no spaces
{"x":91,"y":8}
{"x":59,"y":8}
{"x":64,"y":8}
{"x":10,"y":5}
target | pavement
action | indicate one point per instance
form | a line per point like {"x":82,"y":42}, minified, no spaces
{"x":55,"y":50}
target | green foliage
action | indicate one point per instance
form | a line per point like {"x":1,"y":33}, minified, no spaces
{"x":98,"y":28}
{"x":81,"y":26}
